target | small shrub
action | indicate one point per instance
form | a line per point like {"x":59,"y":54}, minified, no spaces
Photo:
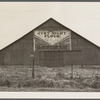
{"x":60,"y":76}
{"x":59,"y":84}
{"x":46,"y":83}
{"x":39,"y":76}
{"x":97,"y":77}
{"x":96,"y":84}
{"x":28,"y":83}
{"x":42,"y":83}
{"x":5,"y":82}
{"x":79,"y":79}
{"x":62,"y":83}
{"x":92,"y":82}
{"x":75,"y":84}
{"x":36,"y":83}
{"x":88,"y":82}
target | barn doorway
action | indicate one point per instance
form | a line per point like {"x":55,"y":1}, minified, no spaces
{"x":51,"y":58}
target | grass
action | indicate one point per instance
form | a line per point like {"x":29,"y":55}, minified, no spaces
{"x":18,"y":78}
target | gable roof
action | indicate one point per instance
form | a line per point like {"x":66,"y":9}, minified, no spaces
{"x":45,"y":26}
{"x":51,"y":24}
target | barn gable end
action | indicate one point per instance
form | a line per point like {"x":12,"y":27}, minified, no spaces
{"x":90,"y":52}
{"x":82,"y":51}
{"x":18,"y":52}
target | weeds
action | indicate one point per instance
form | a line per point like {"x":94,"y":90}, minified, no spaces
{"x":5,"y":82}
{"x":48,"y":78}
{"x":60,"y":76}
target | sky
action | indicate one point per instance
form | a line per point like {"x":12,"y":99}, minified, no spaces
{"x":18,"y":18}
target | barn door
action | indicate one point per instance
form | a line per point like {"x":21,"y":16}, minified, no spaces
{"x":51,"y":58}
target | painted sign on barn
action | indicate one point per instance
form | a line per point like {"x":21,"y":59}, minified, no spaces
{"x":56,"y":40}
{"x":53,"y":37}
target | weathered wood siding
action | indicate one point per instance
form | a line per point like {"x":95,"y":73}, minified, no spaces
{"x":72,"y":57}
{"x":18,"y":53}
{"x":1,"y":58}
{"x":51,"y":58}
{"x":90,"y":53}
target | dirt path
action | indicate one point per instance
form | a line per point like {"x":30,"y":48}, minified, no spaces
{"x":12,"y":89}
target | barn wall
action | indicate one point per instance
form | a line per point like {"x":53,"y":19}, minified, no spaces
{"x":90,"y":53}
{"x":18,"y":53}
{"x":1,"y":58}
{"x":73,"y":57}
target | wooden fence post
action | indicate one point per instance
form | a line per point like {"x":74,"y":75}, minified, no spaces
{"x":33,"y":69}
{"x":71,"y":71}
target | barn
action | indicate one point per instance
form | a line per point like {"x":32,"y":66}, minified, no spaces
{"x":53,"y":45}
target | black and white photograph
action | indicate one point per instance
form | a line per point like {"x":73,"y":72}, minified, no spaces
{"x":50,"y":47}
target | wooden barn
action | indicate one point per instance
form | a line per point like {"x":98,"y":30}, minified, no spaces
{"x":53,"y":44}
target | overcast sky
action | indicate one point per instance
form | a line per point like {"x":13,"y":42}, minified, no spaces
{"x":18,"y":18}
